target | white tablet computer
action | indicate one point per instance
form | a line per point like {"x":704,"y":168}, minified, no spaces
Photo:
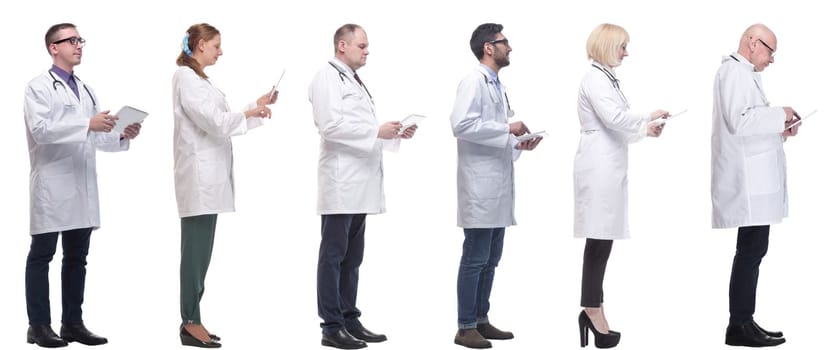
{"x":533,"y":135}
{"x":128,"y":115}
{"x":800,"y":120}
{"x":410,"y":121}
{"x":274,"y":88}
{"x":671,"y":117}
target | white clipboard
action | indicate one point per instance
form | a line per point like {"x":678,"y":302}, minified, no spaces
{"x":533,"y":135}
{"x":128,"y":115}
{"x":800,"y":120}
{"x":410,"y":121}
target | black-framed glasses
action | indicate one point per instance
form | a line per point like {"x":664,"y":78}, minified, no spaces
{"x":73,"y":40}
{"x":498,"y":41}
{"x":772,"y":51}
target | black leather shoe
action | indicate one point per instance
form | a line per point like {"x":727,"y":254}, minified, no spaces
{"x":366,"y":335}
{"x":770,"y":333}
{"x":342,"y":340}
{"x":749,"y":335}
{"x":44,"y":336}
{"x":187,"y":339}
{"x":79,"y":333}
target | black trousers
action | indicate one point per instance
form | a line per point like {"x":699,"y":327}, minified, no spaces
{"x":339,"y":258}
{"x":74,"y":244}
{"x":751,"y":248}
{"x":595,"y":256}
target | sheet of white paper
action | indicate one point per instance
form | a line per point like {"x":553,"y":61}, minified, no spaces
{"x":532,"y":135}
{"x":128,"y":115}
{"x":801,"y":119}
{"x":410,"y":121}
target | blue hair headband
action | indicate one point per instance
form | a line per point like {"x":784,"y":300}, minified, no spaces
{"x":186,"y":45}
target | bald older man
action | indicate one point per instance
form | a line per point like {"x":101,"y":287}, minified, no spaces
{"x":749,"y":187}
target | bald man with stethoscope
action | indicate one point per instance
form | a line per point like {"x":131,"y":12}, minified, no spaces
{"x":64,"y":128}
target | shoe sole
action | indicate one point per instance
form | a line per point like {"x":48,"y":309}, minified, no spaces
{"x":489,"y":345}
{"x":334,"y":345}
{"x":732,"y":343}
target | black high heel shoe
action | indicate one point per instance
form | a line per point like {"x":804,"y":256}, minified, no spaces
{"x":602,"y":340}
{"x":188,"y":339}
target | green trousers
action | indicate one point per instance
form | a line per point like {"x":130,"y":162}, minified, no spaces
{"x":197,"y":233}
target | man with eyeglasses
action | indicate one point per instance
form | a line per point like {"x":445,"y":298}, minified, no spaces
{"x":64,"y":130}
{"x":749,"y":185}
{"x":487,"y":148}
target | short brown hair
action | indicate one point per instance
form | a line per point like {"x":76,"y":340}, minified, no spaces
{"x":50,"y":37}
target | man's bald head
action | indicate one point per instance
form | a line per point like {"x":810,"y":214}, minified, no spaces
{"x":758,"y":45}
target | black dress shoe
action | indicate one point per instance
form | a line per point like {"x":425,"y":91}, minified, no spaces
{"x":770,"y":333}
{"x":366,"y":335}
{"x":79,"y":333}
{"x":187,"y":339}
{"x":749,"y":335}
{"x":342,"y":340}
{"x":44,"y":336}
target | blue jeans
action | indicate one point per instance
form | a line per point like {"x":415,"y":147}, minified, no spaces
{"x":481,"y":254}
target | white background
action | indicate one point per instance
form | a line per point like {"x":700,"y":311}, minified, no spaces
{"x":665,"y":289}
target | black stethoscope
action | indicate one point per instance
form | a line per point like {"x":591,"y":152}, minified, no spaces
{"x":495,"y":99}
{"x":56,"y":82}
{"x":613,"y":81}
{"x":341,"y":75}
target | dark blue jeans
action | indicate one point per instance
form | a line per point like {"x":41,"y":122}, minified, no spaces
{"x":481,"y":254}
{"x":751,"y":248}
{"x":339,"y":258}
{"x":74,"y":244}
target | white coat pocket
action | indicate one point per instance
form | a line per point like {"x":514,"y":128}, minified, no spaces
{"x":763,"y":173}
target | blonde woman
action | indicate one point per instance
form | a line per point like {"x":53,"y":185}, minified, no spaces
{"x":607,"y":128}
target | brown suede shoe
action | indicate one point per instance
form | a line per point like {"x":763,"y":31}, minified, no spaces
{"x":471,"y":339}
{"x":489,"y":332}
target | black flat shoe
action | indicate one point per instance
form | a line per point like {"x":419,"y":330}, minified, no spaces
{"x":187,"y":339}
{"x":366,"y":335}
{"x":342,"y":340}
{"x":79,"y":333}
{"x":749,"y":335}
{"x":602,"y":340}
{"x":44,"y":336}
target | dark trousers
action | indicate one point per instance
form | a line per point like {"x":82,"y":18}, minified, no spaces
{"x":197,"y":236}
{"x":339,"y":258}
{"x":595,"y":256}
{"x":751,"y":248}
{"x":480,"y":255}
{"x":75,"y":245}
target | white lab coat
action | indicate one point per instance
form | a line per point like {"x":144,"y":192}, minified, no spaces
{"x":749,"y":185}
{"x":485,"y":153}
{"x":350,"y":178}
{"x":607,"y":126}
{"x":203,"y":151}
{"x":63,"y":192}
